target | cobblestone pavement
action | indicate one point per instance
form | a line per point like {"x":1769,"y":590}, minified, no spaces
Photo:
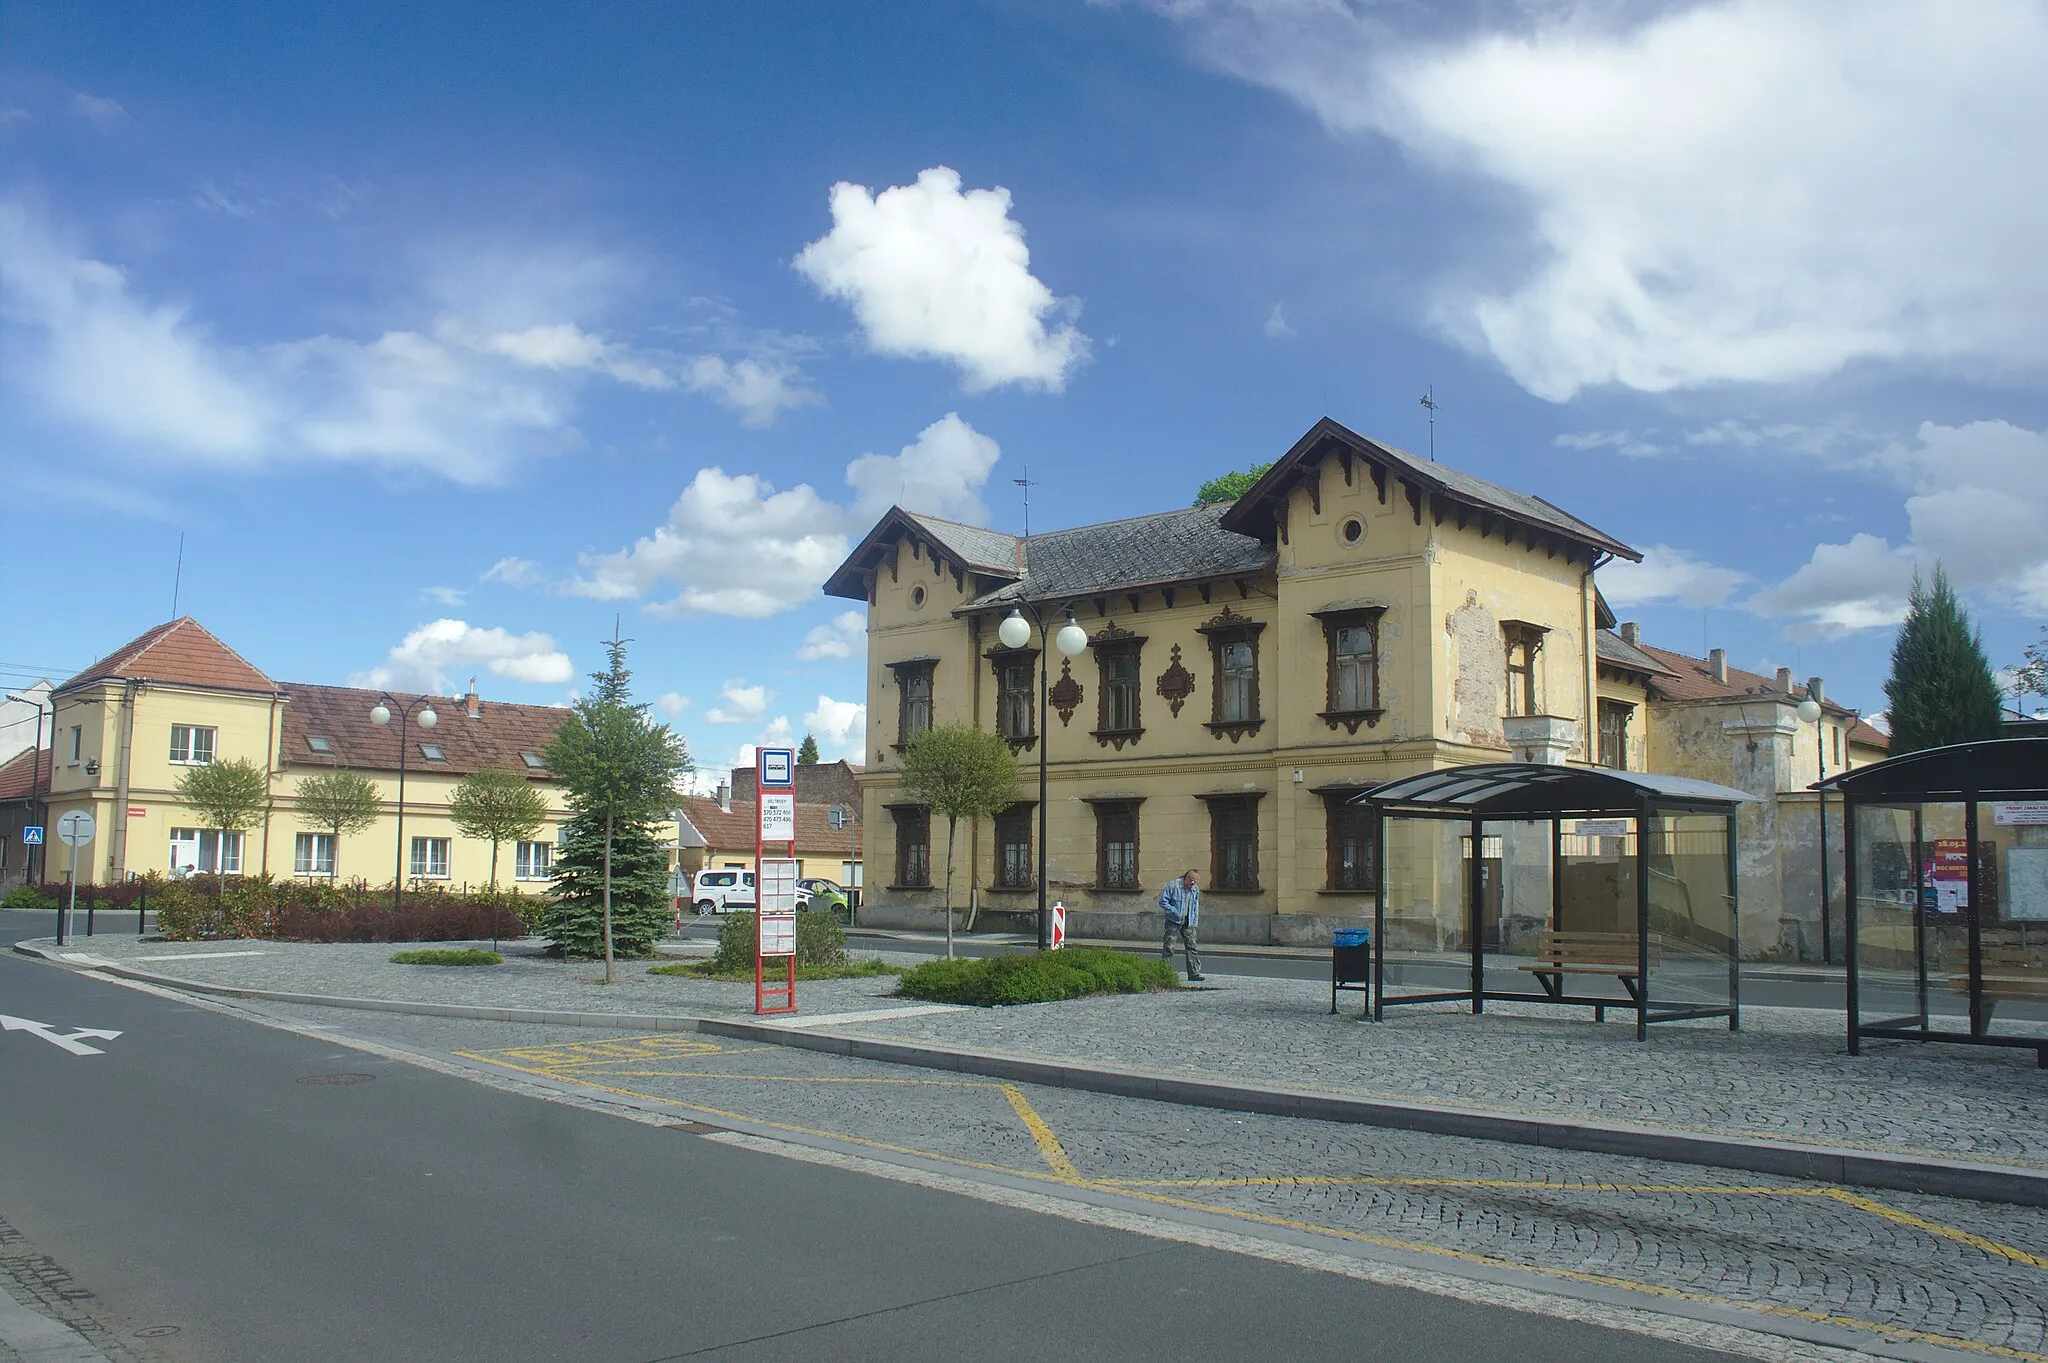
{"x":38,"y":1282}
{"x":1785,"y":1076}
{"x":1925,"y":1269}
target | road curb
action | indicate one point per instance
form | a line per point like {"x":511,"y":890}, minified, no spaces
{"x":1786,"y":1159}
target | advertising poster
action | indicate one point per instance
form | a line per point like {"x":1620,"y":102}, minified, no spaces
{"x":1949,"y":873}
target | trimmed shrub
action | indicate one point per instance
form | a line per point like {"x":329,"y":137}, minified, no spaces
{"x":469,"y":956}
{"x":820,"y":941}
{"x":1037,"y":977}
{"x":200,"y":906}
{"x":29,"y":897}
{"x":865,"y":968}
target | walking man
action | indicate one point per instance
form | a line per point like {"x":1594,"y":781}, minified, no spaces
{"x":1182,"y":901}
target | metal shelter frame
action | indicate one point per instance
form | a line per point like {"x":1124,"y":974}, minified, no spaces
{"x":1968,"y":774}
{"x":1532,"y":792}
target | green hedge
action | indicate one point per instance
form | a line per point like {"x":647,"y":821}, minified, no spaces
{"x":1038,"y":977}
{"x":457,"y":956}
{"x":820,"y":941}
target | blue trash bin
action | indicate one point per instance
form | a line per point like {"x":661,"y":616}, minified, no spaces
{"x":1351,"y":963}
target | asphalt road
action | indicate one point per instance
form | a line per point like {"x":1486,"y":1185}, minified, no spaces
{"x":209,"y":1197}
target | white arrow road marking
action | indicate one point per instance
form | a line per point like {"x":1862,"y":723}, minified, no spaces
{"x":48,"y":1033}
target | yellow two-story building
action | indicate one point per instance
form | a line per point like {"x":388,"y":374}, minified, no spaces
{"x":130,"y":726}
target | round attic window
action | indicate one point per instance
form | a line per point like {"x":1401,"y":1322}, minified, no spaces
{"x":916,"y":598}
{"x":1351,"y":531}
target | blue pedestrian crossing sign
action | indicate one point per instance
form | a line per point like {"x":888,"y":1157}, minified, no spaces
{"x":32,"y":836}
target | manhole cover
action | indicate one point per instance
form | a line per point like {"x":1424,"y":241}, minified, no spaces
{"x":337,"y":1079}
{"x":694,"y":1128}
{"x":156,"y":1331}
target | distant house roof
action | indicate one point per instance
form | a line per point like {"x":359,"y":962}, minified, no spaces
{"x":816,"y":783}
{"x":1254,"y":513}
{"x":732,"y":831}
{"x":1615,"y":651}
{"x":499,"y":737}
{"x":18,"y":773}
{"x":990,"y":553}
{"x":1159,"y":550}
{"x":182,"y":651}
{"x":1692,"y":679}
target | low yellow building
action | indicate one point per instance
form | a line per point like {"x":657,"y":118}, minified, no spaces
{"x":128,"y":728}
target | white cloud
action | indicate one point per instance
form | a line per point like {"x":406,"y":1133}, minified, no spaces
{"x":444,"y":596}
{"x":1627,"y":444}
{"x":672,"y":704}
{"x":465,"y":397}
{"x":1977,"y":503}
{"x":1715,"y":191}
{"x":428,"y":657}
{"x":940,"y":473}
{"x":734,"y":546}
{"x":934,"y":273}
{"x":1277,"y":325}
{"x":743,"y":704}
{"x":1668,"y":574}
{"x":99,"y":110}
{"x":758,"y":390}
{"x":841,"y":727}
{"x":514,"y":572}
{"x":845,"y":636}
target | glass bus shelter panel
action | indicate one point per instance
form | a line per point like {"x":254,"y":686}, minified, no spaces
{"x":1597,"y":884}
{"x":1889,"y":981}
{"x":1517,"y":881}
{"x":1692,"y":911}
{"x":2012,"y":884}
{"x":1425,"y":943}
{"x":1945,"y":910}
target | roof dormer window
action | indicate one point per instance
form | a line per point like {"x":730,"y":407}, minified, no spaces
{"x":432,"y":752}
{"x":533,"y":760}
{"x":319,"y":744}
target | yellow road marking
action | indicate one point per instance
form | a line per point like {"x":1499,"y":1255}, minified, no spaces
{"x":1066,"y":1174}
{"x":1048,"y":1144}
{"x":1960,"y":1236}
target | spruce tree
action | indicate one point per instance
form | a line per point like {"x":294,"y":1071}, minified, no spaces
{"x":807,"y":754}
{"x":619,"y":768}
{"x":1941,"y":690}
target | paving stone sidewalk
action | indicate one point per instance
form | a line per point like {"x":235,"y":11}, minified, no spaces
{"x":1786,"y":1076}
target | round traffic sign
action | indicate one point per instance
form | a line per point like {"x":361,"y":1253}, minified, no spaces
{"x":75,"y":829}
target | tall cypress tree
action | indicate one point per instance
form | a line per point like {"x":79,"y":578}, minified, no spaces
{"x":610,"y":890}
{"x":1941,"y":690}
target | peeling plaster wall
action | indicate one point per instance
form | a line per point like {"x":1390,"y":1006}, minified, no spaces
{"x":1478,"y":674}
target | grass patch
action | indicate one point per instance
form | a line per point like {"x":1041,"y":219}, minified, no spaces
{"x":1037,"y":977}
{"x":717,"y":970}
{"x":448,"y":956}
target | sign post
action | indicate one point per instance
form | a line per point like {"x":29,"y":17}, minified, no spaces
{"x":775,"y":878}
{"x":74,"y":830}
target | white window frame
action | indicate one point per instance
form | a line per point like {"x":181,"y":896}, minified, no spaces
{"x":195,"y":841}
{"x":313,"y":855}
{"x":77,"y":741}
{"x":419,"y":860}
{"x":523,"y":856}
{"x":191,"y":747}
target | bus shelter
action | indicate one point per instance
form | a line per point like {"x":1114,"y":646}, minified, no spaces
{"x":1540,"y":883}
{"x":1947,"y":883}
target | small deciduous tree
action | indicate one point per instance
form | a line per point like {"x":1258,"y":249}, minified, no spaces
{"x":619,"y":769}
{"x":340,"y":802}
{"x":807,"y":752}
{"x":1228,"y":487}
{"x":1941,"y":690}
{"x":229,"y":796}
{"x":963,"y":773}
{"x":500,"y":805}
{"x":2030,"y":678}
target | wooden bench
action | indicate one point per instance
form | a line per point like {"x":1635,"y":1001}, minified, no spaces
{"x":1590,"y":953}
{"x":2012,"y":974}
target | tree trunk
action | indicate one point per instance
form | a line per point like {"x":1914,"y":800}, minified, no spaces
{"x":951,"y":824}
{"x":334,"y":868}
{"x":608,"y":897}
{"x":494,"y":863}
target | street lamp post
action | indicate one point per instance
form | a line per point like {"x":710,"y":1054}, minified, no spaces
{"x":1015,"y":632}
{"x":380,"y":715}
{"x":1810,"y":712}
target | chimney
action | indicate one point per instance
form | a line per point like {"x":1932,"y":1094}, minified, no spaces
{"x":725,"y":797}
{"x":1631,"y":634}
{"x":1813,"y":688}
{"x":471,"y":703}
{"x":1785,"y":681}
{"x":1717,"y":663}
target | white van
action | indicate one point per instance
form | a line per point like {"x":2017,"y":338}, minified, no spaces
{"x":725,"y":888}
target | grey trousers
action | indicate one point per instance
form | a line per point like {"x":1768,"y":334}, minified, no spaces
{"x":1187,"y":942}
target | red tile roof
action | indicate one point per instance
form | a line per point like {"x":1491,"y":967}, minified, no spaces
{"x":341,"y":715}
{"x":1693,"y":679}
{"x":732,"y":831}
{"x":181,"y":651}
{"x":18,"y":774}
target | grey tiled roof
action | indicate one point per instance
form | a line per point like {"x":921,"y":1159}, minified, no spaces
{"x":988,"y":550}
{"x":1619,"y":652}
{"x":1155,"y":550}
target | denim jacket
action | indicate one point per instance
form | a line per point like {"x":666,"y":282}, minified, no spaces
{"x":1183,"y":903}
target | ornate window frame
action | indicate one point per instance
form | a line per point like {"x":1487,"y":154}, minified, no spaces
{"x":1000,"y":660}
{"x":1224,"y":630}
{"x":1350,"y":617}
{"x":1115,"y":642}
{"x":906,"y":669}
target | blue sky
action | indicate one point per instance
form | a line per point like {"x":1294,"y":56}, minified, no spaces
{"x":446,"y":333}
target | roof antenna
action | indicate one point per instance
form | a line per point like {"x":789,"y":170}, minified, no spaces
{"x":178,"y":576}
{"x":1026,"y":483}
{"x":1428,"y":400}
